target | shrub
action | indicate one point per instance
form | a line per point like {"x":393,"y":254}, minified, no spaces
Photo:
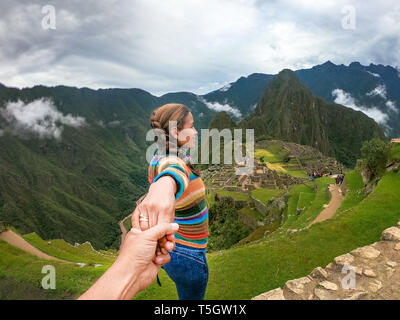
{"x":375,"y":154}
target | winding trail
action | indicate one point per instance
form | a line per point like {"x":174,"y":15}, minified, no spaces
{"x":333,"y":205}
{"x":16,"y":240}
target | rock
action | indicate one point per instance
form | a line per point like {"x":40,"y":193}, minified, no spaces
{"x":357,"y":295}
{"x":389,"y":272}
{"x":319,"y":273}
{"x":276,"y":294}
{"x":328,"y":285}
{"x":81,"y":264}
{"x":391,"y":264}
{"x":369,"y":273}
{"x":367,"y":252}
{"x":358,"y":270}
{"x":290,"y":231}
{"x":322,"y":294}
{"x":391,"y":234}
{"x":344,"y":259}
{"x":329,"y":266}
{"x":375,"y":286}
{"x":397,"y":246}
{"x":297,"y":285}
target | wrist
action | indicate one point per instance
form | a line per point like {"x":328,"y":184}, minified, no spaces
{"x":168,"y":181}
{"x":127,"y":276}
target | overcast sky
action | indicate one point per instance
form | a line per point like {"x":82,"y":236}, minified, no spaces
{"x":186,"y":45}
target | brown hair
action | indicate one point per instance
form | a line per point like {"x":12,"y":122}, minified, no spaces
{"x":160,"y":118}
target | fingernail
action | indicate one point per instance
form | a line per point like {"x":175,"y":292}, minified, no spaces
{"x":175,"y":225}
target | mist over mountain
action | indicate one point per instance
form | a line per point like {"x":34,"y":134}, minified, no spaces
{"x":288,"y":110}
{"x":373,"y":90}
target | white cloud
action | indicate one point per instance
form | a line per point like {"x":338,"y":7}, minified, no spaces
{"x":39,"y":117}
{"x":197,"y":46}
{"x":374,"y":74}
{"x":218,"y":107}
{"x":392,"y":106}
{"x":225,"y":87}
{"x":344,"y":98}
{"x":380,"y":90}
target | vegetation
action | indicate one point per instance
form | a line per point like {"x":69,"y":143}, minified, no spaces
{"x":375,"y":154}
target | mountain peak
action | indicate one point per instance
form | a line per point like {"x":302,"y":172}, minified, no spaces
{"x":355,"y":64}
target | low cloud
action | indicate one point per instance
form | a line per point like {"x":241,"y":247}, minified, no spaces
{"x":378,"y":91}
{"x":344,"y":98}
{"x":218,"y":107}
{"x":39,"y":117}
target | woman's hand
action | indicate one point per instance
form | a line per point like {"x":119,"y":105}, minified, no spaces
{"x":157,"y":207}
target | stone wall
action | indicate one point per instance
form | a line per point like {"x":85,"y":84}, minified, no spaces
{"x":367,"y":273}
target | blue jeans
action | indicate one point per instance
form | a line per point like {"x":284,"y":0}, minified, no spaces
{"x":188,"y":268}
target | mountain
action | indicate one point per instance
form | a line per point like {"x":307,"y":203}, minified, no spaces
{"x":289,"y":111}
{"x":73,"y":164}
{"x":373,"y":89}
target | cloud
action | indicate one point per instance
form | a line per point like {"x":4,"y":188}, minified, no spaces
{"x":39,"y":117}
{"x":380,"y":90}
{"x":344,"y":98}
{"x":392,"y":106}
{"x":218,"y":107}
{"x":174,"y":45}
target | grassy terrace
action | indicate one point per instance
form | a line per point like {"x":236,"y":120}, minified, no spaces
{"x":239,"y":273}
{"x":244,"y":272}
{"x":265,"y":194}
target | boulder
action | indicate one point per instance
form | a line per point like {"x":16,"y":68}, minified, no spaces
{"x":276,"y":294}
{"x":391,"y":234}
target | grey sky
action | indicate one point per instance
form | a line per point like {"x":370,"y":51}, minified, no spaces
{"x":186,"y":45}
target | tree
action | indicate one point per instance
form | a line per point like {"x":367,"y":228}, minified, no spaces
{"x":375,"y":154}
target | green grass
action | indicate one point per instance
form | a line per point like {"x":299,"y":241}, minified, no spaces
{"x":265,"y":194}
{"x":244,"y":272}
{"x":395,"y":152}
{"x":355,"y":192}
{"x":318,"y":199}
{"x":233,"y":194}
{"x":24,"y":271}
{"x":251,"y":212}
{"x":266,"y":155}
{"x":60,"y":249}
{"x":305,"y":199}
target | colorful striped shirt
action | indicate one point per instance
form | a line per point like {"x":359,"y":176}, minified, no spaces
{"x":191,"y":211}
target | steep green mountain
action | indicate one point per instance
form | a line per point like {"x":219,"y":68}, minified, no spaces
{"x":79,"y":186}
{"x":221,"y":121}
{"x":289,"y":111}
{"x":374,"y":89}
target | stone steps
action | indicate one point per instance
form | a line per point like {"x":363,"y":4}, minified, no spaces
{"x":367,"y":273}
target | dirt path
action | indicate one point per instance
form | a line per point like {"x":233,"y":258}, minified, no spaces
{"x":17,"y":241}
{"x":333,"y":205}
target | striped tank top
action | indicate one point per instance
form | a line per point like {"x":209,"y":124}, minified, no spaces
{"x":191,"y":211}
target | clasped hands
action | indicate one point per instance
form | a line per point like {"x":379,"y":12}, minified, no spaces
{"x":156,"y":208}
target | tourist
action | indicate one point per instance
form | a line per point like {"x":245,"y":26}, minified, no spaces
{"x":177,"y":193}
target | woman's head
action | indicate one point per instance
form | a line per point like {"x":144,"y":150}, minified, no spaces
{"x":184,"y":132}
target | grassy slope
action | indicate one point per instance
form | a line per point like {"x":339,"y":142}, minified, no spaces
{"x":24,"y":272}
{"x":244,"y":272}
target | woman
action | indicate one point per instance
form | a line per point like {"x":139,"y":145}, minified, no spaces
{"x":177,"y":194}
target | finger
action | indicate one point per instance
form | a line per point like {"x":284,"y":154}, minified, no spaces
{"x":135,"y":219}
{"x":144,"y":225}
{"x":162,"y":259}
{"x":160,"y":230}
